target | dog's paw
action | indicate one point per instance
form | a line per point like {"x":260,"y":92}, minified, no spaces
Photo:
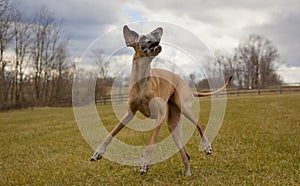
{"x":144,"y":167}
{"x":206,"y":147}
{"x":188,"y":173}
{"x":97,"y":155}
{"x":145,"y":161}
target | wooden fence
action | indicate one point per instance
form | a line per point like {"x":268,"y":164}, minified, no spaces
{"x":279,"y":89}
{"x":109,"y":99}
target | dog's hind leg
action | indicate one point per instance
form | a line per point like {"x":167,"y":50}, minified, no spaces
{"x":187,"y":112}
{"x":102,"y":147}
{"x":175,"y":127}
{"x":184,"y":101}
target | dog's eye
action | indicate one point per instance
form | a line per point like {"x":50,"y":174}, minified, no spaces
{"x":143,"y":47}
{"x":154,"y":44}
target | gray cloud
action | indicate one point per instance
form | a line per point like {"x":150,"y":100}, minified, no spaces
{"x":279,"y":20}
{"x":88,"y":12}
{"x":83,"y":21}
{"x":220,"y":24}
{"x":284,"y":36}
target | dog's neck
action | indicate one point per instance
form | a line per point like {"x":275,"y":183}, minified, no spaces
{"x":141,"y":71}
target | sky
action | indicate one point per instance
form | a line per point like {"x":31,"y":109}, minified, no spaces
{"x":220,"y":24}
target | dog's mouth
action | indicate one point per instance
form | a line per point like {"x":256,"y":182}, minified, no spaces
{"x":155,"y":48}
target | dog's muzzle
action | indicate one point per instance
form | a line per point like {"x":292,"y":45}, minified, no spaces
{"x":155,"y":49}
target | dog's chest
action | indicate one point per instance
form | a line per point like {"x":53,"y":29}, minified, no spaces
{"x":141,"y":103}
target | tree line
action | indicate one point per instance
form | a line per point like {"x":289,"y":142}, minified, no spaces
{"x":253,"y":64}
{"x":34,"y":60}
{"x":36,"y":68}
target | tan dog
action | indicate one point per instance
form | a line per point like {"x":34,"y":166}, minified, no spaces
{"x":151,"y":92}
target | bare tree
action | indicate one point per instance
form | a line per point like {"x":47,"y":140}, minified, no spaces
{"x":224,"y":63}
{"x":218,"y":67}
{"x":45,"y":49}
{"x":255,"y":58}
{"x":6,"y":33}
{"x":3,"y":6}
{"x":97,"y":60}
{"x":61,"y":75}
{"x":22,"y":41}
{"x":38,"y":58}
{"x":6,"y":36}
{"x":192,"y":80}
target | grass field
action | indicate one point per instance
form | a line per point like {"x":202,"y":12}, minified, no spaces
{"x":258,"y":144}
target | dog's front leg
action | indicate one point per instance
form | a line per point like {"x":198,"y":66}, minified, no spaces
{"x":102,"y":147}
{"x":146,"y":159}
{"x":157,"y":107}
{"x":147,"y":156}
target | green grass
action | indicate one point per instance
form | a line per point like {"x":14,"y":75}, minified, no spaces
{"x":258,"y":144}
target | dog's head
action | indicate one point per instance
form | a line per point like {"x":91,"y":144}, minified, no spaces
{"x":145,"y":45}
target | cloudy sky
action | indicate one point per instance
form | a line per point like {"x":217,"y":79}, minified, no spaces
{"x":220,"y":24}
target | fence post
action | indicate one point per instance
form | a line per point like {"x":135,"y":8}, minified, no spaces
{"x":104,"y":100}
{"x":121,"y":98}
{"x":280,"y":88}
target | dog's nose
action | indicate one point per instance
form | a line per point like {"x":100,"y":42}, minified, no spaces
{"x":158,"y":49}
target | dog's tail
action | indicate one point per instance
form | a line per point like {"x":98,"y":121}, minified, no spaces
{"x":204,"y":94}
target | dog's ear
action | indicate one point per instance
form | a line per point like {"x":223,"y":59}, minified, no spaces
{"x":157,"y":33}
{"x":131,"y":37}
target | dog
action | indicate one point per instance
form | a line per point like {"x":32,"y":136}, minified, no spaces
{"x":152,"y":91}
